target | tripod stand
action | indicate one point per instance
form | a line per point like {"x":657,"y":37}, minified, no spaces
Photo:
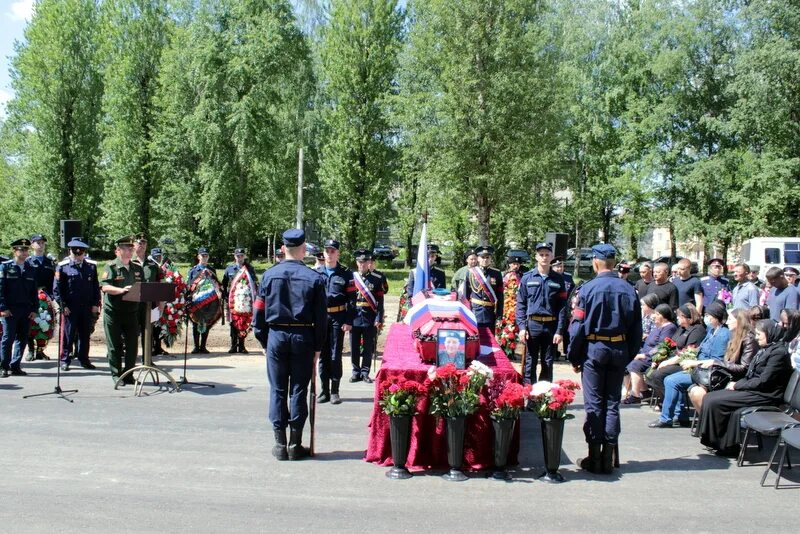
{"x":57,"y":390}
{"x":183,"y":380}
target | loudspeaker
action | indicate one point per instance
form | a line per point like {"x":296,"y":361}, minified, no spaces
{"x":560,"y":243}
{"x":69,"y":228}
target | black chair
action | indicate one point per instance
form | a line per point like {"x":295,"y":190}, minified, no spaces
{"x":771,"y":420}
{"x":789,"y":438}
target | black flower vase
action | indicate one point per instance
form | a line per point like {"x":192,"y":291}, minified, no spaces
{"x":455,"y":448}
{"x":552,"y":437}
{"x":503,"y":430}
{"x":399,"y":430}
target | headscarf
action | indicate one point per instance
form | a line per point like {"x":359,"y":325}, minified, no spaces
{"x":774,"y":333}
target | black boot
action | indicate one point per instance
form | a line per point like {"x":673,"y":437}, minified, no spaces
{"x":279,"y":449}
{"x":234,"y":345}
{"x":335,"y":399}
{"x":196,"y":339}
{"x":203,"y":340}
{"x":242,"y":350}
{"x":607,"y":458}
{"x":296,"y":450}
{"x":325,"y":394}
{"x":593,"y":462}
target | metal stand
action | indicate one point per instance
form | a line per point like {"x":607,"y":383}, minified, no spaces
{"x":183,"y":380}
{"x":57,"y":390}
{"x":147,"y":368}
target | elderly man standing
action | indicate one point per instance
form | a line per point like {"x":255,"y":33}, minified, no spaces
{"x":714,"y":282}
{"x":745,"y":294}
{"x":290,"y":323}
{"x":606,"y":333}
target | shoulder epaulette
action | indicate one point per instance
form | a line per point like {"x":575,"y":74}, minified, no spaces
{"x":65,"y":261}
{"x":704,"y":278}
{"x":93,"y":262}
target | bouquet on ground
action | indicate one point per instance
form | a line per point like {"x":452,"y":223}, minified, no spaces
{"x":551,"y":399}
{"x":400,"y":396}
{"x":456,"y":392}
{"x":507,"y":398}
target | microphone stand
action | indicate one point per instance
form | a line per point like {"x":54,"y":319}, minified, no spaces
{"x":183,"y":380}
{"x":57,"y":390}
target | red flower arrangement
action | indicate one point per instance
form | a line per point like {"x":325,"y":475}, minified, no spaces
{"x":174,"y":311}
{"x":455,"y":392}
{"x":551,"y":400}
{"x":507,"y":331}
{"x":507,"y":398}
{"x":399,"y":396}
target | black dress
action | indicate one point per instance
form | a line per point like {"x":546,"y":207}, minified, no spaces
{"x":763,"y":385}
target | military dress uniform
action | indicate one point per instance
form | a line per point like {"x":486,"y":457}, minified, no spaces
{"x":76,"y":288}
{"x":237,"y":341}
{"x":542,"y":311}
{"x":485,"y":295}
{"x":44,"y":270}
{"x":121,"y":317}
{"x":18,"y":300}
{"x":368,"y":314}
{"x":199,"y":339}
{"x":606,"y":334}
{"x":712,"y":285}
{"x":569,"y":284}
{"x":290,"y":323}
{"x":341,"y":298}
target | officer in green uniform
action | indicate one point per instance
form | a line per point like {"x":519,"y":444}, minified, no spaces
{"x":152,"y":273}
{"x":121,"y":318}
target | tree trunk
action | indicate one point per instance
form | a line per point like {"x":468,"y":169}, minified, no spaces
{"x":484,"y":215}
{"x":673,"y":245}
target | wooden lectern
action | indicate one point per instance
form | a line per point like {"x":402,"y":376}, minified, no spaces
{"x":148,"y":293}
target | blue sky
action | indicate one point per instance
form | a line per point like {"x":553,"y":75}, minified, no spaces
{"x":14,"y":14}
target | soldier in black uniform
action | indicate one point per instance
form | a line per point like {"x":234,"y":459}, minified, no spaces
{"x":77,"y":290}
{"x":290,"y":323}
{"x":341,"y":299}
{"x":239,"y":262}
{"x":44,"y":270}
{"x":18,"y":302}
{"x":484,"y":289}
{"x":435,"y":274}
{"x":369,"y":314}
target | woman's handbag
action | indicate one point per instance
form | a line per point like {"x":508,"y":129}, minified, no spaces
{"x":712,"y":379}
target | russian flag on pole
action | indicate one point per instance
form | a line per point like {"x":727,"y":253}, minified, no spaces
{"x":421,"y":270}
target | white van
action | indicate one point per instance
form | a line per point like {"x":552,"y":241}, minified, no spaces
{"x":766,"y":252}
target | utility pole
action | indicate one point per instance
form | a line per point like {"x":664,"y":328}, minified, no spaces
{"x":299,"y":219}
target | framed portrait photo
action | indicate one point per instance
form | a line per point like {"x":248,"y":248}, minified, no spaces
{"x":451,"y":347}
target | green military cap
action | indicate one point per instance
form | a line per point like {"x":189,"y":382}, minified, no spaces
{"x":125,"y":240}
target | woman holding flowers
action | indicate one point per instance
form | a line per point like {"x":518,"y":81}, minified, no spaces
{"x":712,"y":347}
{"x":663,"y":328}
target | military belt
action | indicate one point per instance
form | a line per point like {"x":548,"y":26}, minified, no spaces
{"x":363,"y":304}
{"x":481,"y":302}
{"x":542,"y":318}
{"x":291,"y":324}
{"x":612,"y":339}
{"x":334,"y":309}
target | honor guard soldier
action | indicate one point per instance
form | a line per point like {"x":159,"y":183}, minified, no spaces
{"x":714,"y":282}
{"x":341,"y":298}
{"x":44,"y":270}
{"x":484,"y":289}
{"x":120,"y":317}
{"x":384,"y":284}
{"x":290,"y":322}
{"x":239,"y":262}
{"x":368,"y":315}
{"x":569,"y":283}
{"x":76,"y":289}
{"x":18,"y":302}
{"x":541,"y":314}
{"x":199,"y":339}
{"x":152,"y":273}
{"x":435,"y":274}
{"x":606,"y":334}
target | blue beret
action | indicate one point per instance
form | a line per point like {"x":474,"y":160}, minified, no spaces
{"x":38,"y":237}
{"x":202,"y":250}
{"x":544,"y":244}
{"x":294,"y":237}
{"x":76,"y":242}
{"x":604,"y":251}
{"x":155,"y":251}
{"x":331,"y":243}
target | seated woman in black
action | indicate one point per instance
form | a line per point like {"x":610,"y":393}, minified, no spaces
{"x":763,"y":385}
{"x":663,"y":328}
{"x":691,"y":332}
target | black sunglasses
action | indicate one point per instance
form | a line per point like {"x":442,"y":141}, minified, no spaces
{"x":78,"y":251}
